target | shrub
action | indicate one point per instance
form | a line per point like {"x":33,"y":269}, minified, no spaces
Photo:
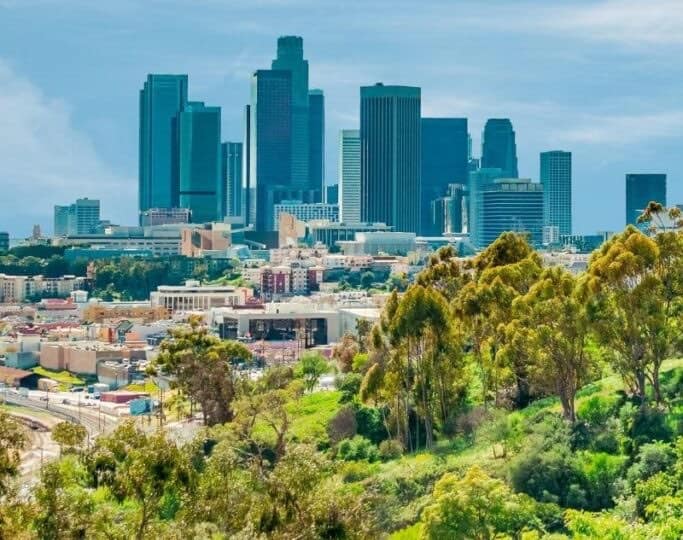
{"x":597,"y":410}
{"x":370,"y":424}
{"x":652,"y":458}
{"x":390,"y":449}
{"x":349,"y":385}
{"x":643,"y":425}
{"x":600,"y":473}
{"x":355,"y":471}
{"x":357,"y":449}
{"x":342,"y":425}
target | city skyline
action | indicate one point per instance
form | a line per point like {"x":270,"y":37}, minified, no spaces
{"x":64,"y":140}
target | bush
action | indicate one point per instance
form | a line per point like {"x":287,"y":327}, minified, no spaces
{"x":600,"y":473}
{"x":651,"y":459}
{"x":342,"y":425}
{"x":390,"y":449}
{"x":355,"y":471}
{"x":597,"y":410}
{"x":349,"y":385}
{"x":370,"y":424}
{"x":643,"y":425}
{"x":357,"y":449}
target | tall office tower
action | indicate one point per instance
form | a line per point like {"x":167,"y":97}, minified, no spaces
{"x":231,"y":172}
{"x":270,"y":159}
{"x":199,"y":164}
{"x":81,"y":217}
{"x":478,"y":180}
{"x":290,"y":57}
{"x":556,"y":177}
{"x":349,"y":176}
{"x":446,"y":213}
{"x":4,"y":241}
{"x":390,"y":137}
{"x":61,"y":220}
{"x":316,"y":133}
{"x":640,"y":190}
{"x":511,"y":204}
{"x":332,"y":194}
{"x":161,"y":99}
{"x":445,"y":150}
{"x":248,"y":211}
{"x":499,"y":149}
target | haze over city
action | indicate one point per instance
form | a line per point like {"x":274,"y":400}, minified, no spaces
{"x":593,"y":78}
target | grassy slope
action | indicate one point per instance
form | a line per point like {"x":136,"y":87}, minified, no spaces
{"x":64,"y":378}
{"x":450,"y":458}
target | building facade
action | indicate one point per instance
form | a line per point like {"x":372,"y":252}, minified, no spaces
{"x":306,"y":211}
{"x":316,"y":133}
{"x":499,"y":149}
{"x":164,"y":216}
{"x":161,"y":99}
{"x":556,"y":177}
{"x":199,"y":162}
{"x":81,"y":217}
{"x":479,"y":180}
{"x":231,"y":172}
{"x":641,"y":189}
{"x":511,"y":204}
{"x":445,"y":156}
{"x":349,"y":176}
{"x":390,"y":135}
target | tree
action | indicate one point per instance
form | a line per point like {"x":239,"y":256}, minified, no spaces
{"x":69,"y":435}
{"x":344,"y":351}
{"x":204,"y":368}
{"x":310,"y":368}
{"x":476,"y":506}
{"x":635,"y":283}
{"x":12,"y":442}
{"x":554,"y":324}
{"x":367,"y":279}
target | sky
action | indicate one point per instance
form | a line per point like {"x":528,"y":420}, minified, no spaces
{"x":602,"y":79}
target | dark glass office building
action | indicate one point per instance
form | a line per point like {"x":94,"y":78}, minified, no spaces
{"x":445,"y":149}
{"x":231,"y":171}
{"x":641,"y":189}
{"x":270,"y":159}
{"x":391,"y":147}
{"x":556,"y":177}
{"x":161,"y":99}
{"x":290,"y":58}
{"x":199,"y":142}
{"x":511,"y":204}
{"x":316,"y":133}
{"x":498,"y":149}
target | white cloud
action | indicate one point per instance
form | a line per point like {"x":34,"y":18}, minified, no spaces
{"x":623,"y":129}
{"x":46,"y":160}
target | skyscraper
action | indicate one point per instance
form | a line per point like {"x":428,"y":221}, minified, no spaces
{"x":248,"y":187}
{"x":499,"y":149}
{"x":199,"y":141}
{"x":556,"y":177}
{"x":511,"y":204}
{"x":316,"y":133}
{"x":390,"y":138}
{"x":270,"y":159}
{"x":445,"y":150}
{"x":641,"y":189}
{"x":231,"y":172}
{"x":161,"y":99}
{"x":479,"y":180}
{"x":61,"y":220}
{"x":290,"y":57}
{"x":349,"y":176}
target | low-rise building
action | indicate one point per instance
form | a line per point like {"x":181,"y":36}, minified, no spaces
{"x":20,"y":288}
{"x":193,"y":296}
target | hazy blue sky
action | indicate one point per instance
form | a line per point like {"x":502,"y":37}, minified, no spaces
{"x":602,"y":79}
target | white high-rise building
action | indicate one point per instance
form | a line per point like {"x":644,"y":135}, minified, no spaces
{"x":349,"y":176}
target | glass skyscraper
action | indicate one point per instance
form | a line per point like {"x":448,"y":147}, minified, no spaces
{"x":390,"y":135}
{"x":270,"y":159}
{"x":290,"y":57}
{"x":478,"y":181}
{"x":445,"y":155}
{"x":499,"y":149}
{"x":556,"y":177}
{"x":511,"y":204}
{"x":81,"y":217}
{"x":161,"y":99}
{"x":349,"y":176}
{"x":231,"y":171}
{"x":316,"y":133}
{"x":199,"y":140}
{"x":641,"y":189}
